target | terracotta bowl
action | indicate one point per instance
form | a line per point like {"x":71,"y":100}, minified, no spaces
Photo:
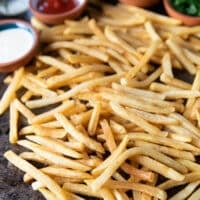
{"x":57,"y":18}
{"x":186,"y":19}
{"x":140,"y":3}
{"x":23,"y":60}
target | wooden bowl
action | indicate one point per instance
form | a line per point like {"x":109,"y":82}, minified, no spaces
{"x":13,"y":64}
{"x":186,"y":19}
{"x":140,"y":3}
{"x":57,"y":18}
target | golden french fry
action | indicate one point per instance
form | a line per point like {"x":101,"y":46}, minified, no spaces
{"x":9,"y":94}
{"x":14,"y":116}
{"x":167,"y":65}
{"x":56,"y":63}
{"x":34,"y":172}
{"x":167,"y":150}
{"x":153,"y":191}
{"x":110,"y":141}
{"x":190,"y":177}
{"x":185,"y":192}
{"x":92,"y":126}
{"x":52,"y":156}
{"x":175,"y":48}
{"x":69,"y":127}
{"x":23,"y":110}
{"x":49,"y":115}
{"x":55,"y":145}
{"x":174,"y":82}
{"x":195,"y":195}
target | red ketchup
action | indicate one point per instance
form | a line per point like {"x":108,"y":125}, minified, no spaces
{"x":55,"y":6}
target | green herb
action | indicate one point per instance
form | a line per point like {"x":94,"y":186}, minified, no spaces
{"x":189,"y":7}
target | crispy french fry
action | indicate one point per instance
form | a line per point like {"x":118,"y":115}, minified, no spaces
{"x":78,"y":135}
{"x":30,"y":169}
{"x":14,"y":116}
{"x":53,"y":157}
{"x":11,"y":90}
{"x":55,"y":145}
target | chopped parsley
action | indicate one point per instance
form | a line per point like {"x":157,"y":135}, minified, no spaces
{"x":189,"y":7}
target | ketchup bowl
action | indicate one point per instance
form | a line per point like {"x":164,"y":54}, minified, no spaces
{"x":56,"y":11}
{"x":18,"y":44}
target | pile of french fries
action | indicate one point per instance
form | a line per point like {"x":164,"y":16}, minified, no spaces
{"x":105,"y":113}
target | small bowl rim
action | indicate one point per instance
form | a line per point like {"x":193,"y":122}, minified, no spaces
{"x":183,"y":15}
{"x":7,"y":66}
{"x":146,"y":5}
{"x":63,"y":14}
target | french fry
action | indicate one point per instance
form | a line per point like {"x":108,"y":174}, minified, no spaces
{"x":191,"y":177}
{"x":64,"y":79}
{"x":78,"y":135}
{"x":113,"y":37}
{"x":195,"y":195}
{"x":23,"y":110}
{"x":14,"y":116}
{"x":191,"y":101}
{"x":144,"y":83}
{"x":138,"y":187}
{"x":86,"y":50}
{"x":56,"y":63}
{"x":52,"y":156}
{"x":55,"y":145}
{"x":27,"y":95}
{"x":137,"y":103}
{"x":110,"y":141}
{"x":137,"y":173}
{"x":180,"y":55}
{"x":104,"y":177}
{"x":119,"y":110}
{"x":73,"y":91}
{"x":38,"y":186}
{"x":184,"y":193}
{"x":120,"y":195}
{"x":117,"y":128}
{"x":37,"y":89}
{"x":34,"y":172}
{"x":80,"y":189}
{"x":9,"y":94}
{"x":38,"y":24}
{"x":112,"y":158}
{"x":175,"y":82}
{"x":153,"y":16}
{"x":132,"y":73}
{"x":167,"y":150}
{"x":162,"y":140}
{"x":151,"y":31}
{"x":62,"y":172}
{"x":92,"y":126}
{"x":190,"y":165}
{"x":47,"y":194}
{"x":162,"y":169}
{"x":34,"y":157}
{"x":154,"y":118}
{"x":49,"y":115}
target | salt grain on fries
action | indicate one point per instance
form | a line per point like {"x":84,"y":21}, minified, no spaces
{"x":106,"y":115}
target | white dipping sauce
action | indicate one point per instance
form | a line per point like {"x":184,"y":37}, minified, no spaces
{"x":14,"y":43}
